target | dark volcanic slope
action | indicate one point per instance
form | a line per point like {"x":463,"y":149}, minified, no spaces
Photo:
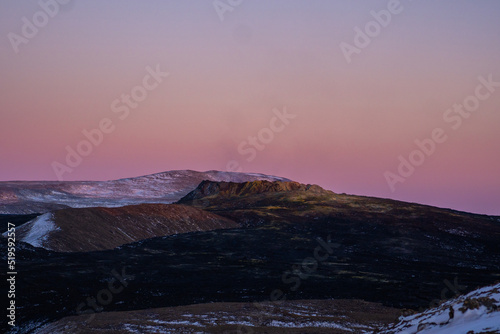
{"x":400,"y":254}
{"x":89,"y":229}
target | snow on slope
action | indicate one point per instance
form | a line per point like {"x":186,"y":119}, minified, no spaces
{"x":39,"y":229}
{"x":298,"y":316}
{"x":475,"y":312}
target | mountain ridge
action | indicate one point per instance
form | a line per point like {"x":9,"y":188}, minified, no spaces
{"x":27,"y":197}
{"x":225,"y":189}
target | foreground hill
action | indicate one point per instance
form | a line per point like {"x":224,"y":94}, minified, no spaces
{"x":294,"y":241}
{"x":290,"y":317}
{"x":90,"y":229}
{"x":475,"y":312}
{"x":24,"y":197}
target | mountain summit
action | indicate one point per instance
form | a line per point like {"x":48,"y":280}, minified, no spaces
{"x":227,"y":189}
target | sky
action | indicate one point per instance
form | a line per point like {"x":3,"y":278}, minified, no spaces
{"x":393,"y":99}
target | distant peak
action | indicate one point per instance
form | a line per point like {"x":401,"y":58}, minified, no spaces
{"x":210,"y":188}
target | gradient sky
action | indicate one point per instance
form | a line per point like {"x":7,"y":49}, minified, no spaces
{"x":352,"y":120}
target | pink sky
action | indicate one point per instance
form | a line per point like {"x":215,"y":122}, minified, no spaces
{"x":352,"y":120}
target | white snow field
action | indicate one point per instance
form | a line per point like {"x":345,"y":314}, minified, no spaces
{"x":476,"y":312}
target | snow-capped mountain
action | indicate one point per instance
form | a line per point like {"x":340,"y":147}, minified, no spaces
{"x":22,"y":197}
{"x":475,"y":312}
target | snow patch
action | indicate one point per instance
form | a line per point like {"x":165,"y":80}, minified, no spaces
{"x":39,"y":229}
{"x":459,"y":232}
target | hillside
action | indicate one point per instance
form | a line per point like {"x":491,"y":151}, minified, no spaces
{"x":90,"y":229}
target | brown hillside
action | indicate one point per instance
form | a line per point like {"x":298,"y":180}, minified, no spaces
{"x":90,"y":229}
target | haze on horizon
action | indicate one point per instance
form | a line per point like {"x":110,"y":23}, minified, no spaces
{"x":237,"y":69}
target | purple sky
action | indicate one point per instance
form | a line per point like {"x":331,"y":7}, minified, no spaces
{"x":316,"y":91}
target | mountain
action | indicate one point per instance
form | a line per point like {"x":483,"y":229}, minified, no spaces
{"x":475,"y":312}
{"x":90,"y":229}
{"x":292,"y":241}
{"x":26,"y":197}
